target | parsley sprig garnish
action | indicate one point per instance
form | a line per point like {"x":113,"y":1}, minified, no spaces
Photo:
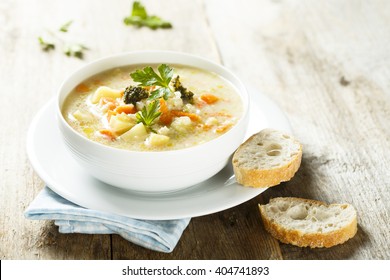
{"x":139,"y":17}
{"x":148,"y":114}
{"x":148,"y":77}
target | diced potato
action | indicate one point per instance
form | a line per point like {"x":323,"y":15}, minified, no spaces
{"x":104,"y":91}
{"x":157,"y":140}
{"x":121,"y":123}
{"x":137,"y":132}
{"x":181,"y":124}
{"x":82,"y":116}
{"x":88,"y":131}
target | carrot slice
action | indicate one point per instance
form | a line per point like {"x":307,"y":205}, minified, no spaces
{"x":166,"y":116}
{"x":209,"y":98}
{"x":110,"y":113}
{"x":127,"y":109}
{"x":219,"y":114}
{"x":82,"y":88}
{"x":108,"y":133}
{"x":223,"y":128}
{"x":193,"y":117}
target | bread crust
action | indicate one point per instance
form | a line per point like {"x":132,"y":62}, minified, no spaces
{"x":264,"y":178}
{"x":312,"y":240}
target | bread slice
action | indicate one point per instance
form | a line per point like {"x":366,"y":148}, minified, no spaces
{"x":266,"y":159}
{"x":305,"y":222}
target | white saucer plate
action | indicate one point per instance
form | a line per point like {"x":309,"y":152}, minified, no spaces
{"x":57,"y":168}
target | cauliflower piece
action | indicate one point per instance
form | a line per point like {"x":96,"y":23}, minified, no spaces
{"x":211,"y":121}
{"x":163,"y":130}
{"x":175,"y":103}
{"x":182,"y":124}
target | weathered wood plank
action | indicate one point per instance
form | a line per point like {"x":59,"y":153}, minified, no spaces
{"x":325,"y":63}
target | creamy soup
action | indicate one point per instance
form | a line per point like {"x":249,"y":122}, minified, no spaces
{"x":153,"y":108}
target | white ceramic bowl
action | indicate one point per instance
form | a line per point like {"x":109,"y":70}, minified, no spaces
{"x":151,"y":171}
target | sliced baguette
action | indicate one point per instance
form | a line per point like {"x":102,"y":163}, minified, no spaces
{"x":309,"y":223}
{"x":266,"y":159}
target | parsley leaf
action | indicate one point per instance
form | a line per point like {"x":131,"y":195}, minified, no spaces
{"x":45,"y":44}
{"x":65,"y":26}
{"x":76,"y":50}
{"x":139,"y":17}
{"x":148,"y":77}
{"x":139,"y":10}
{"x":149,"y":114}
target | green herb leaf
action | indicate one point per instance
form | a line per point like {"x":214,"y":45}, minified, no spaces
{"x":160,"y":92}
{"x":139,"y":17}
{"x":76,"y":50}
{"x":65,"y":26}
{"x":46,"y":45}
{"x":148,"y":77}
{"x":149,"y":114}
{"x":139,"y":10}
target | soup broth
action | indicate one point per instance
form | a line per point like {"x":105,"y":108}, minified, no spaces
{"x":186,"y":107}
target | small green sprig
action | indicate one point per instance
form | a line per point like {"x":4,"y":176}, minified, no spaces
{"x":65,"y":26}
{"x":148,"y":77}
{"x":76,"y":50}
{"x":45,"y":44}
{"x":139,"y":17}
{"x":148,"y":114}
{"x":69,"y":49}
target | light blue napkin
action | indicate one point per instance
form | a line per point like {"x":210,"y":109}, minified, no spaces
{"x":155,"y":235}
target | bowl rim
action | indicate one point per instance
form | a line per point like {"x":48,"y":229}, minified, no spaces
{"x":244,"y":95}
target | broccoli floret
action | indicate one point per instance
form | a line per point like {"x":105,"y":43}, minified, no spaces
{"x":186,"y":95}
{"x":134,"y":94}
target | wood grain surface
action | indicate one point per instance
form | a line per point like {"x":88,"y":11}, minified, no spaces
{"x":326,"y":64}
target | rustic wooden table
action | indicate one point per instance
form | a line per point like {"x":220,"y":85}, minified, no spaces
{"x":326,"y":63}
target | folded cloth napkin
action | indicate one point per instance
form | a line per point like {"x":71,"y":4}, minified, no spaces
{"x":155,"y":235}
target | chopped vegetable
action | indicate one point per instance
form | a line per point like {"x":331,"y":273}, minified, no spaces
{"x":209,"y":98}
{"x":166,"y":117}
{"x":139,"y":17}
{"x":108,"y":133}
{"x":149,"y":114}
{"x":137,"y":132}
{"x":121,"y":123}
{"x":127,"y":109}
{"x":157,"y":140}
{"x":186,"y":95}
{"x":104,"y":91}
{"x":182,"y":124}
{"x":82,"y":88}
{"x":148,"y":77}
{"x":193,"y":117}
{"x":134,"y":94}
{"x":223,"y":128}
